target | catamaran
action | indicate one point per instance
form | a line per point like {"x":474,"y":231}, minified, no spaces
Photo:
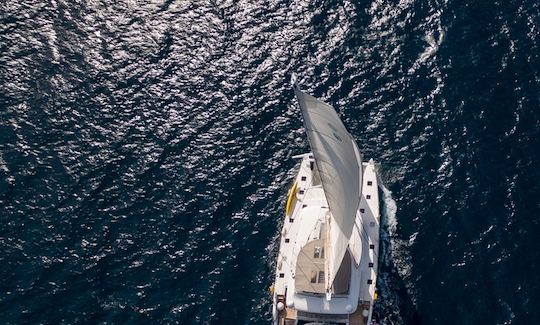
{"x":326,"y":269}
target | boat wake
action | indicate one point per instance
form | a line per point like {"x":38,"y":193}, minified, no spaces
{"x":395,"y":265}
{"x":389,"y":208}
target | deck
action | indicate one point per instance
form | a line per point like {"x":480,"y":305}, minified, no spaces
{"x":367,"y":224}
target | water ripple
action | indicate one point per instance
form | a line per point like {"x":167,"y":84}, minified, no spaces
{"x":145,"y":153}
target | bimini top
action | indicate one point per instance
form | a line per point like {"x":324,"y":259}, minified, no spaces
{"x":339,"y":163}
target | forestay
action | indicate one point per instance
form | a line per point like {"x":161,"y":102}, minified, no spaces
{"x":339,"y":164}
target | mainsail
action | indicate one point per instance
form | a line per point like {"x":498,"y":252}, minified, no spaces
{"x":339,"y":164}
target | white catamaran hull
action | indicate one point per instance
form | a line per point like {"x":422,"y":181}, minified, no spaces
{"x":298,"y":295}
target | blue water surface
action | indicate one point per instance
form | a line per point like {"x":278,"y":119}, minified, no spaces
{"x":145,"y":153}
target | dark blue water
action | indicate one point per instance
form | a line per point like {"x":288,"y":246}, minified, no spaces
{"x":145,"y":153}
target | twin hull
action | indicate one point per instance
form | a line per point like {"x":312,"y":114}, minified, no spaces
{"x":298,"y":297}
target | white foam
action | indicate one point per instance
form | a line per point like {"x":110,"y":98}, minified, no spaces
{"x":3,"y":165}
{"x":389,"y":209}
{"x":429,"y":51}
{"x":52,"y":41}
{"x":396,"y":254}
{"x":432,"y":41}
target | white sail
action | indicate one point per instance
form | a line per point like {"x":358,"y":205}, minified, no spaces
{"x":339,"y":164}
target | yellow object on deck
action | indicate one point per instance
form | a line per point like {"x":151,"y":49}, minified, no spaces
{"x":290,"y":199}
